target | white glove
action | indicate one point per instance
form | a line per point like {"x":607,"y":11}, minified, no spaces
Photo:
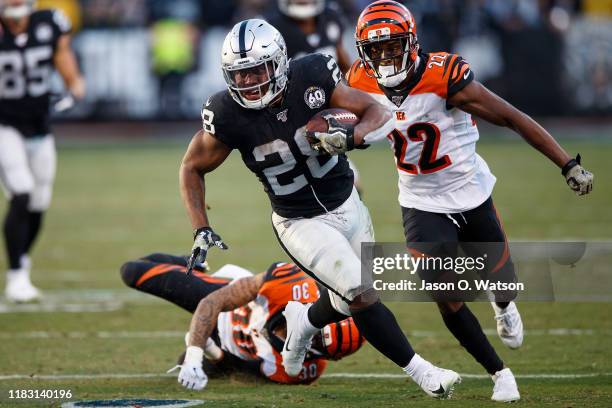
{"x":577,"y":178}
{"x":191,"y":375}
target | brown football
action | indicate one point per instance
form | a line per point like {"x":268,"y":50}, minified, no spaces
{"x":318,"y":123}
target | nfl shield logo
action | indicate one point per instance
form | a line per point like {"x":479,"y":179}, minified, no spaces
{"x":397,"y":100}
{"x":282,"y":116}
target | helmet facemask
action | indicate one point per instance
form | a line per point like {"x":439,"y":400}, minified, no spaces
{"x":389,"y":58}
{"x":300,"y":9}
{"x":16,"y":12}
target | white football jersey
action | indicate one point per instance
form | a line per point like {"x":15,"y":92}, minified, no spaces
{"x":434,"y":144}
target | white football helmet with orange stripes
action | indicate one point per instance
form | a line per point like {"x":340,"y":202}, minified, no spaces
{"x":387,"y":41}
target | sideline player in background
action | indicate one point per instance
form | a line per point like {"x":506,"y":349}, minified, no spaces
{"x":310,"y":26}
{"x":238,"y":318}
{"x":317,"y":216}
{"x":445,"y":187}
{"x":31,"y":44}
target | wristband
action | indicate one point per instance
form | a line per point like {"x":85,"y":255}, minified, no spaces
{"x":570,"y":165}
{"x":194,"y":355}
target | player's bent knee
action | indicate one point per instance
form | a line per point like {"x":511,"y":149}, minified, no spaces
{"x":447,"y":308}
{"x":362,"y":301}
{"x":41,"y":198}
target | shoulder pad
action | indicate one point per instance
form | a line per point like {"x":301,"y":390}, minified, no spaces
{"x":358,"y":78}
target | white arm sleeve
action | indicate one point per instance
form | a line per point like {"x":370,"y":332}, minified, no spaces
{"x":380,"y":133}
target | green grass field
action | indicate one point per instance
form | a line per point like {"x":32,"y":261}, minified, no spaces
{"x":117,"y":202}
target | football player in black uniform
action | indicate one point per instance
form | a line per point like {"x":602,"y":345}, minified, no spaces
{"x":317,"y":216}
{"x":310,"y":26}
{"x":31,"y":44}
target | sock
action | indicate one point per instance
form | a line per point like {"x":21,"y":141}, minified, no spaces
{"x":378,"y":325}
{"x":501,"y":305}
{"x":308,"y":329}
{"x":35,"y":222}
{"x":465,"y":327}
{"x":322,"y":313}
{"x":16,"y":229}
{"x":417,"y":368}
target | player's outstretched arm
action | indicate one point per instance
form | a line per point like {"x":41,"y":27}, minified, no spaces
{"x":225,"y":299}
{"x":375,"y":120}
{"x":204,"y":154}
{"x":477,"y":100}
{"x":66,"y":64}
{"x":204,"y":320}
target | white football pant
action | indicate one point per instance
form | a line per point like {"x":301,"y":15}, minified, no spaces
{"x":328,"y":247}
{"x":27,"y":166}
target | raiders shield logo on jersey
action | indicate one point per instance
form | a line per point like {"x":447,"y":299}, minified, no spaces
{"x":314,"y":97}
{"x":282,"y":116}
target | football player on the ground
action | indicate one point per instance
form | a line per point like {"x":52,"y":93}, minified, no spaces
{"x":445,"y":187}
{"x":237,"y":318}
{"x":317,"y":216}
{"x":31,"y":44}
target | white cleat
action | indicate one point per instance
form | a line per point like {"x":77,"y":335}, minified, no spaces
{"x":439,"y":382}
{"x":505,"y":389}
{"x":19,"y":288}
{"x":297,"y":342}
{"x":509,"y":325}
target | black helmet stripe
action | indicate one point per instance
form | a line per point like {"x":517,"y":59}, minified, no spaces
{"x":338,"y":337}
{"x":386,"y":11}
{"x":242,"y":40}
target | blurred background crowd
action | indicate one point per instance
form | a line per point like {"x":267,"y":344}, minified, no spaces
{"x":160,"y":59}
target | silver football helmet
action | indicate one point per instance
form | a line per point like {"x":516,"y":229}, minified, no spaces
{"x":16,"y":10}
{"x":301,"y":9}
{"x":254,"y":63}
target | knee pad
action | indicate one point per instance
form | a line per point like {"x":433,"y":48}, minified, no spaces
{"x":41,"y":197}
{"x":42,"y":159}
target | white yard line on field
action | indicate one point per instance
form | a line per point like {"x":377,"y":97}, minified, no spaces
{"x":390,"y":376}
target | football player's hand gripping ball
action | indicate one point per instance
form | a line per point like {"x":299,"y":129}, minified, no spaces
{"x":577,"y":177}
{"x":203,"y":239}
{"x":338,"y":139}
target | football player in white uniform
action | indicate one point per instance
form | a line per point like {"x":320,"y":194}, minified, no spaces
{"x":445,"y":187}
{"x":32,"y":43}
{"x":317,"y":216}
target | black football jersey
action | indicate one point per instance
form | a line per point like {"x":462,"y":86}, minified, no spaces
{"x":324,"y":40}
{"x":299,"y":181}
{"x":26,"y":65}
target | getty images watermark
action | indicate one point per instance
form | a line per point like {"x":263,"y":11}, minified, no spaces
{"x":485,"y":271}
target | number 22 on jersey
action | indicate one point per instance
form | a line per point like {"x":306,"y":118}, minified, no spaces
{"x":428,"y":162}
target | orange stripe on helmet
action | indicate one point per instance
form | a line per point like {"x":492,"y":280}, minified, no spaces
{"x":390,"y":14}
